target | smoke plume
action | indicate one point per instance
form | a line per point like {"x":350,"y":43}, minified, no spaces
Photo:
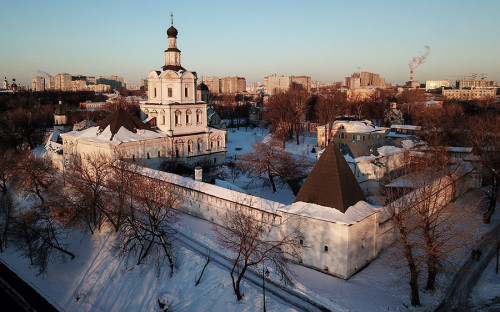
{"x":41,"y":72}
{"x":419,"y":60}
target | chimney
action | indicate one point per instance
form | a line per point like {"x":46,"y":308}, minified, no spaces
{"x":411,"y":75}
{"x":198,"y":173}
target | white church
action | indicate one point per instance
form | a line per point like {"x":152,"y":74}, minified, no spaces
{"x":173,"y":122}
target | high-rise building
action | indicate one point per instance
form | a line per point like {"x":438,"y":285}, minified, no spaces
{"x":38,"y":84}
{"x":231,"y":85}
{"x":213,"y":84}
{"x":274,"y":83}
{"x":365,"y":79}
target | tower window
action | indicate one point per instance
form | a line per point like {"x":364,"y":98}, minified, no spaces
{"x":326,"y":248}
{"x":169,"y":92}
{"x":154,"y":92}
{"x":186,"y":92}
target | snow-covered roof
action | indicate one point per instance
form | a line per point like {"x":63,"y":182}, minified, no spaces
{"x":52,"y":144}
{"x":406,"y":127}
{"x":357,"y":126}
{"x":390,"y":147}
{"x":214,"y":190}
{"x":123,"y":135}
{"x":353,"y":214}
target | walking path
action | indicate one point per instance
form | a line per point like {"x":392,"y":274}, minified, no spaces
{"x":292,"y":297}
{"x":457,"y":294}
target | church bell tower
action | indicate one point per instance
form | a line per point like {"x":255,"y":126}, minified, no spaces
{"x":172,"y":54}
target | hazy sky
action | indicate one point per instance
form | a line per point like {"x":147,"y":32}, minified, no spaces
{"x":326,"y":40}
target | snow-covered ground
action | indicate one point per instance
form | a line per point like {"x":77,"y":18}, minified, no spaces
{"x":96,"y":280}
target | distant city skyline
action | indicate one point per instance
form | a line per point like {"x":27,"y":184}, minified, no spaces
{"x":326,"y":40}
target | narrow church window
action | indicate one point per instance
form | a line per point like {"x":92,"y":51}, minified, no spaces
{"x":148,"y":155}
{"x":326,"y":248}
{"x":186,"y":92}
{"x":188,"y":117}
{"x":155,"y":92}
{"x":301,"y":242}
{"x":133,"y":157}
{"x":169,"y":92}
{"x":198,"y":116}
{"x":177,"y":118}
{"x":159,"y":154}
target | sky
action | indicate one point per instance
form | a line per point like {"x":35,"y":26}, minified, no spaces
{"x":327,"y":40}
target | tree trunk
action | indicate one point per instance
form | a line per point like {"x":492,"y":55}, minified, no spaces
{"x":271,"y":179}
{"x":415,"y":297}
{"x":238,"y":282}
{"x":493,"y":201}
{"x":431,"y":273}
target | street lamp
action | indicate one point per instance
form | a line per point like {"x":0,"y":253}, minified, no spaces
{"x":266,"y":273}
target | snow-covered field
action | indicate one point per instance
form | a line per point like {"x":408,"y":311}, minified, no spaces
{"x":96,"y":280}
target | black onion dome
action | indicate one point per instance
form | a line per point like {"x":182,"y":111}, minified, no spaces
{"x":172,"y":32}
{"x":202,"y":86}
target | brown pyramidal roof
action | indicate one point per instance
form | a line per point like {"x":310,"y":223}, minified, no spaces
{"x":331,"y":182}
{"x":122,"y":118}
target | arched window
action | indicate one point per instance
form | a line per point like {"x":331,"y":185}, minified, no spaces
{"x":199,"y":145}
{"x":177,"y":117}
{"x":188,"y":117}
{"x":198,"y":116}
{"x":190,"y":147}
{"x":219,"y":142}
{"x":179,"y":148}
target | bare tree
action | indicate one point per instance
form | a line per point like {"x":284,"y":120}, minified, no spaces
{"x":39,"y":237}
{"x":7,"y":217}
{"x":121,"y":184}
{"x":419,"y":207}
{"x":37,"y":174}
{"x":279,"y":114}
{"x":8,"y":170}
{"x":269,"y":161}
{"x":329,"y":107}
{"x":298,"y":99}
{"x":247,"y":236}
{"x":88,"y":192}
{"x":483,"y":133}
{"x":446,"y":231}
{"x":400,"y":200}
{"x":147,"y":231}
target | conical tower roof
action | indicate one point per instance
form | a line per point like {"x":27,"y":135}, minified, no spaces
{"x":331,"y":182}
{"x":122,"y":118}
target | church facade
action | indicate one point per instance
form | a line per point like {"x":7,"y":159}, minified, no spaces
{"x":176,"y":122}
{"x":174,"y":109}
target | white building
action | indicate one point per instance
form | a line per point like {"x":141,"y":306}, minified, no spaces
{"x":176,"y":122}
